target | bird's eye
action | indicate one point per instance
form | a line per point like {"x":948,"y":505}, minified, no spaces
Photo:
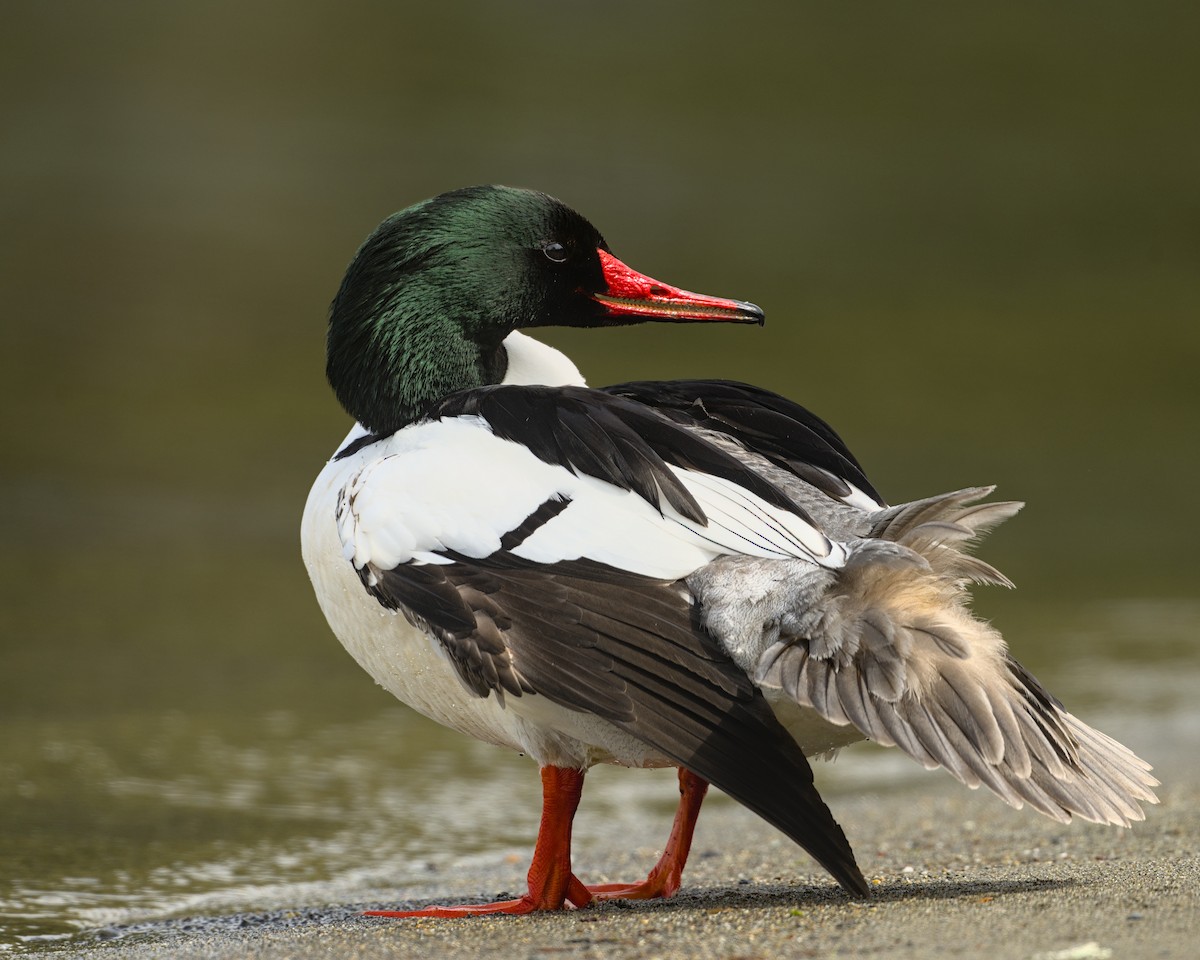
{"x":555,"y":251}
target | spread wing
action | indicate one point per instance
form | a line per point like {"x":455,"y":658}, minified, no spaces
{"x":901,"y":658}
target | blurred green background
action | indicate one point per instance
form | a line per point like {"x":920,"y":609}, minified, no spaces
{"x":975,"y":231}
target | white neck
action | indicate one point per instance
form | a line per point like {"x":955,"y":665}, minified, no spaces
{"x":530,"y":361}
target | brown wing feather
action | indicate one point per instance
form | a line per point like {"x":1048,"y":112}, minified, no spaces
{"x":626,"y":649}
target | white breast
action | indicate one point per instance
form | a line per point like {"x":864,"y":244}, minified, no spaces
{"x":401,"y":658}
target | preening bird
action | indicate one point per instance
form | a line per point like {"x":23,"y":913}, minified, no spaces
{"x":690,"y":573}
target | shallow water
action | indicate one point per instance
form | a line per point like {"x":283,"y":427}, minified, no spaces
{"x":974,"y":235}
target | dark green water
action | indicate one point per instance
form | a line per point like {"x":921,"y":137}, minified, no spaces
{"x":976,"y":237}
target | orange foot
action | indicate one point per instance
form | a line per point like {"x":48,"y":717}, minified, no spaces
{"x":552,"y":885}
{"x":576,"y":894}
{"x":665,"y":878}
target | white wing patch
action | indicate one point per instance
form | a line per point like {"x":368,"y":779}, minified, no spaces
{"x":452,"y":485}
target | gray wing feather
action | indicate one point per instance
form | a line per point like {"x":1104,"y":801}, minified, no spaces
{"x":889,"y":646}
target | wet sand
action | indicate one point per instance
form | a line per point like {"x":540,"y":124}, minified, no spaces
{"x":954,"y":874}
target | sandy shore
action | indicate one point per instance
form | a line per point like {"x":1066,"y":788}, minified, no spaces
{"x":955,"y":874}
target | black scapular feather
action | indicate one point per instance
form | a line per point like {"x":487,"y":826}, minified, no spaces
{"x":785,"y":433}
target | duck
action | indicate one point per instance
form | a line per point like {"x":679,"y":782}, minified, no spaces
{"x":694,"y":574}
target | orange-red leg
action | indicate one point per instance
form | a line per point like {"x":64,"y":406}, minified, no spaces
{"x":551,"y":883}
{"x":664,"y":879}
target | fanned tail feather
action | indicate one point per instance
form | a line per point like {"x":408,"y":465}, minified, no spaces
{"x":896,"y":652}
{"x":940,"y":529}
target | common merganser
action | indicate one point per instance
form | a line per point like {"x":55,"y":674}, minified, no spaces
{"x":694,"y":573}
